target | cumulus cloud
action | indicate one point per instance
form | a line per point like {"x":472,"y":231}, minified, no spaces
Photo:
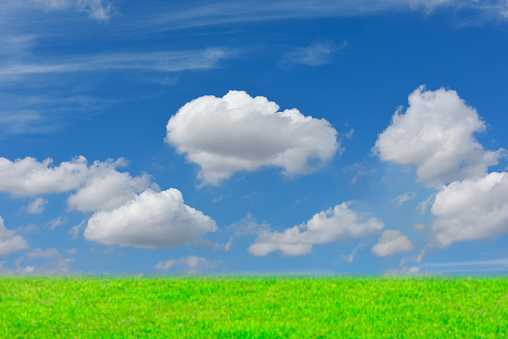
{"x":107,"y":190}
{"x":390,"y":243}
{"x":37,"y":206}
{"x":436,"y":134}
{"x":191,"y":264}
{"x":471,"y":209}
{"x":27,"y":177}
{"x":9,"y":241}
{"x":241,"y":133}
{"x":151,"y":220}
{"x":328,"y":226}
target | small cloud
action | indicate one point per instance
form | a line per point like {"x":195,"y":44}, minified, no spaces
{"x":10,"y":242}
{"x":358,"y":169}
{"x":207,"y":244}
{"x":47,"y":261}
{"x":56,"y":222}
{"x":316,"y":54}
{"x":190,"y":265}
{"x":390,"y":243}
{"x":403,"y":198}
{"x":37,"y":206}
{"x":74,"y":231}
{"x":424,"y":205}
{"x":27,"y":229}
{"x":72,"y":251}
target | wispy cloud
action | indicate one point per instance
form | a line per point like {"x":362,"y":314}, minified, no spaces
{"x":262,"y":10}
{"x":100,"y":10}
{"x":494,"y":262}
{"x":316,"y":54}
{"x":166,"y":61}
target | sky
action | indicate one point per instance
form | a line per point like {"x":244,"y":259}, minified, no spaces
{"x":363,"y":137}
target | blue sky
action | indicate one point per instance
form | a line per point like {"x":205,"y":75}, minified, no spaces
{"x":284,"y":137}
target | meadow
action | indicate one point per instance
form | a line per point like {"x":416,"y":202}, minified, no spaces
{"x":253,"y":307}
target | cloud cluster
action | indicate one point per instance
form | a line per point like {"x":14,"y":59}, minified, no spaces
{"x":471,"y":209}
{"x":436,"y":133}
{"x":392,"y":242}
{"x":191,"y":264}
{"x":9,"y":241}
{"x":151,"y":220}
{"x":241,"y":133}
{"x":334,"y":224}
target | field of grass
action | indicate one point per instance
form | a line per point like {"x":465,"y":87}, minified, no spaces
{"x":264,"y":307}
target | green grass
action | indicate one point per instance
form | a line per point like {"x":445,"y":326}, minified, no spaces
{"x":253,"y":307}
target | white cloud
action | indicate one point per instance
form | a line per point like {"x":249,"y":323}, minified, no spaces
{"x":471,"y":209}
{"x":9,"y":241}
{"x":404,"y":198}
{"x":241,"y":133}
{"x":28,"y":177}
{"x":74,"y":231}
{"x":493,"y":262}
{"x":165,"y":61}
{"x":424,"y":205}
{"x":96,"y":9}
{"x":392,"y":242}
{"x":56,"y":222}
{"x":325,"y":227}
{"x":436,"y":135}
{"x":191,"y":264}
{"x":47,"y":261}
{"x":151,"y":220}
{"x":107,"y":190}
{"x":316,"y":54}
{"x":37,"y":206}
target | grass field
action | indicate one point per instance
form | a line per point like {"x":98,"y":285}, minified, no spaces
{"x":265,"y":307}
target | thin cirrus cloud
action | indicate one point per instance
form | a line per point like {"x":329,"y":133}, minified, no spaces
{"x":264,"y":10}
{"x":151,"y":220}
{"x":392,"y":242}
{"x":100,"y":10}
{"x":316,"y":54}
{"x":436,"y":135}
{"x":332,"y":225}
{"x":10,"y":242}
{"x":166,"y":61}
{"x":240,"y":133}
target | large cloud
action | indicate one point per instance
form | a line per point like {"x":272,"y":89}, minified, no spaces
{"x":151,"y":220}
{"x":325,"y":227}
{"x":436,"y":135}
{"x":241,"y":133}
{"x":107,"y":190}
{"x":28,"y":177}
{"x":9,"y":241}
{"x":471,"y":209}
{"x":392,"y":242}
